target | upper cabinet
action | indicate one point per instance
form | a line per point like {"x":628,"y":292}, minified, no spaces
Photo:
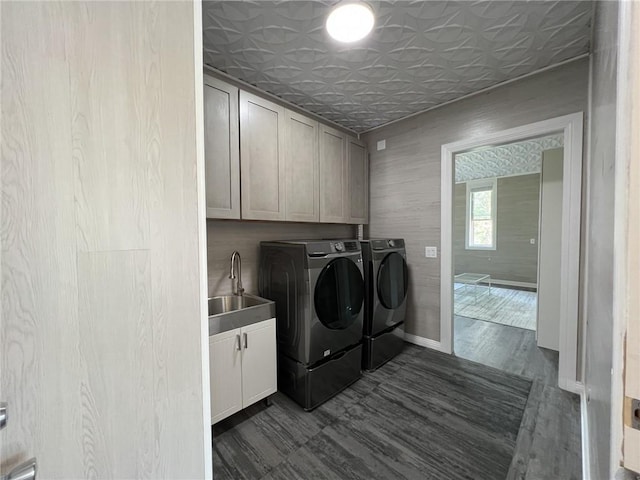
{"x":221,"y":149}
{"x":301,"y":167}
{"x":333,"y":176}
{"x":358,"y":184}
{"x":265,"y":162}
{"x":262,"y":158}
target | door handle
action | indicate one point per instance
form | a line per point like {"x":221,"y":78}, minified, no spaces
{"x":246,"y":341}
{"x":24,"y":471}
{"x":3,"y":415}
{"x":238,"y":346}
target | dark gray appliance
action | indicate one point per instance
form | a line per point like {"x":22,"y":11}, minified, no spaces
{"x":318,"y":288}
{"x":386,"y":285}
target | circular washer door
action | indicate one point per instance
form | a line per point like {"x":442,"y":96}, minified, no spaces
{"x":393,"y":281}
{"x":339,"y":294}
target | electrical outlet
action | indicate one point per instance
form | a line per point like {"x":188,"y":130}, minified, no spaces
{"x":532,"y":241}
{"x":381,"y":145}
{"x":431,"y":252}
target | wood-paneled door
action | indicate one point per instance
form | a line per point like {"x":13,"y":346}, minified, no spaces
{"x":262,"y":176}
{"x":333,"y":176}
{"x":358,"y":185}
{"x":627,"y":238}
{"x":302,"y":169}
{"x":221,"y":149}
{"x":101,"y":333}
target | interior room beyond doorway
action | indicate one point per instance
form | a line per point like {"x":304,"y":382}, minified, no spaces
{"x":498,"y":215}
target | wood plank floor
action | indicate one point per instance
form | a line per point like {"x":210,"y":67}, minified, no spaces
{"x":516,"y":308}
{"x":391,"y":424}
{"x":423,"y":415}
{"x":549,"y":443}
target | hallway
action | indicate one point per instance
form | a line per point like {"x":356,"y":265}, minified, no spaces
{"x":549,"y":443}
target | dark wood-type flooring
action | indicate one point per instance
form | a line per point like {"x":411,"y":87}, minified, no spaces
{"x":549,"y":444}
{"x":424,"y":415}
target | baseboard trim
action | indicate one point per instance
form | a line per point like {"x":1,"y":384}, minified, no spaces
{"x":425,"y":342}
{"x":571,"y":385}
{"x":509,"y":283}
{"x":584,"y":428}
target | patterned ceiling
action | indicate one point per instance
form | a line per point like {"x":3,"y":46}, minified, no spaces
{"x":420,"y":54}
{"x":519,"y":158}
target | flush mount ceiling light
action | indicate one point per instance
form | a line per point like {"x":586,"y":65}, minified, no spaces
{"x":349,"y":22}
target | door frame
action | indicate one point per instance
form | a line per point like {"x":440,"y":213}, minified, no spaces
{"x":572,"y":127}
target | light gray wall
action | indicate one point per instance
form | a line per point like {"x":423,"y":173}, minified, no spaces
{"x":405,"y":178}
{"x":514,"y":258}
{"x":225,"y":236}
{"x":599,"y":236}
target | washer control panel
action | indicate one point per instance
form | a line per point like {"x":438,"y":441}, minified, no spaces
{"x":346,"y":246}
{"x":322,"y":248}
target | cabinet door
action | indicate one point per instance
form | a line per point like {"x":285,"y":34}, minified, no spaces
{"x":261,"y":158}
{"x":225,"y":371}
{"x":259,"y":361}
{"x":358,"y":185}
{"x":301,"y":167}
{"x":221,"y":149}
{"x":333,"y":176}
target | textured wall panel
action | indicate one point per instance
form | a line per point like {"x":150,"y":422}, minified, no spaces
{"x":405,"y":178}
{"x":514,"y":258}
{"x":420,"y":54}
{"x":599,"y":237}
{"x":225,"y":236}
{"x":505,"y":160}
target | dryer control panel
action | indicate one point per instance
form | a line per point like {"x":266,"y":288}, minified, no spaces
{"x":387,"y":243}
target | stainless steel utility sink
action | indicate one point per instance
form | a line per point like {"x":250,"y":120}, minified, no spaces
{"x":228,"y":312}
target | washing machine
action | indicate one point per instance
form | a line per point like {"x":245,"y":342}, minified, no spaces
{"x":318,"y":289}
{"x":386,"y":286}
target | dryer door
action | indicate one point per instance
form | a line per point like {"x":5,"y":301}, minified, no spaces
{"x":339,"y":294}
{"x":393,"y":281}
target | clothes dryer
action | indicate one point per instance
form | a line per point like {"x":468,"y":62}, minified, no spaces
{"x":318,"y":288}
{"x":386,"y":287}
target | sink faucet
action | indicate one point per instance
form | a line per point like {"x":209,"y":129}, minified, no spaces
{"x":232,"y":274}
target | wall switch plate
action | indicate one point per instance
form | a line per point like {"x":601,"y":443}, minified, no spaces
{"x":431,"y":252}
{"x":532,"y":241}
{"x":381,"y":145}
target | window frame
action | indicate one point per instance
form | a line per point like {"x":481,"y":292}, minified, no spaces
{"x":492,"y":184}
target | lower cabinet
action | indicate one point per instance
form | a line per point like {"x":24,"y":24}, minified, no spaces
{"x":242,"y":367}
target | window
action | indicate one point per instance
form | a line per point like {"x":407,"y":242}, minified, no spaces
{"x":481,"y":214}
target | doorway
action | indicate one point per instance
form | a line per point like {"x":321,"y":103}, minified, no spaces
{"x":567,"y":227}
{"x":506,"y":236}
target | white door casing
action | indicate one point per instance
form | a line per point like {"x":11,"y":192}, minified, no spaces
{"x":571,"y":126}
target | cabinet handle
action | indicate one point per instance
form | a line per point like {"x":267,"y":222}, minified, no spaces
{"x":246,"y":341}
{"x":239,"y":347}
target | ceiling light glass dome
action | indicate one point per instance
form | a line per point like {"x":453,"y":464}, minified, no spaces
{"x":349,"y":22}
